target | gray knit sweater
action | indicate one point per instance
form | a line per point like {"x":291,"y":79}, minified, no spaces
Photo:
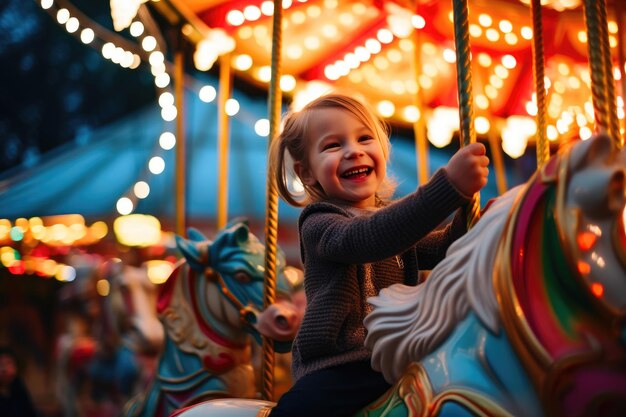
{"x":351,"y":254}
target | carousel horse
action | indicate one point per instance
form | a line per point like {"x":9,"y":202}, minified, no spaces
{"x":129,"y":337}
{"x":210,"y":306}
{"x":524,"y":317}
{"x":110,"y":348}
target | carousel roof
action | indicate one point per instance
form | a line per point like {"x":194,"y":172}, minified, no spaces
{"x":368,"y":47}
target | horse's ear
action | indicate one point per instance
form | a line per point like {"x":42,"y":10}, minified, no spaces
{"x":190,"y":251}
{"x":242,"y":233}
{"x":239,"y":230}
{"x":112,"y":267}
{"x":595,"y":150}
{"x":235,"y":221}
{"x":195,"y":235}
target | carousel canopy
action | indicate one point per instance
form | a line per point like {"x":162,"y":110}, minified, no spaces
{"x":400,"y":55}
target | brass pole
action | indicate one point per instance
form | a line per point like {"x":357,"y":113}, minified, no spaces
{"x":464,"y":90}
{"x":621,"y":51}
{"x":271,"y":215}
{"x":498,"y":162}
{"x":181,"y":166}
{"x":543,"y":147}
{"x":419,"y":130}
{"x":223,"y":134}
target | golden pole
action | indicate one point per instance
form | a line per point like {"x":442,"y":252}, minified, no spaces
{"x":271,"y":215}
{"x":498,"y":162}
{"x":621,"y":51}
{"x":543,"y":147}
{"x":181,"y":166}
{"x":223,"y":133}
{"x":419,"y":130}
{"x":464,"y":90}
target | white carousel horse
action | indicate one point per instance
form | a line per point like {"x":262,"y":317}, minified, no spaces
{"x":130,"y":337}
{"x":112,"y":342}
{"x":524,"y":317}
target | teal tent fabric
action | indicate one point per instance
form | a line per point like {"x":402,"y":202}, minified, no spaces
{"x":89,"y":176}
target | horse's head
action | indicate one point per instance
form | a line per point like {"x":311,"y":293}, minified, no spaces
{"x":591,"y":214}
{"x":233,"y":265}
{"x":129,"y":310}
{"x":545,"y":266}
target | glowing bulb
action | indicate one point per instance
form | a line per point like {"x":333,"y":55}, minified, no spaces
{"x":287,"y":82}
{"x":63,"y":15}
{"x":141,"y":189}
{"x":166,"y":99}
{"x":72,"y":25}
{"x":148,"y":43}
{"x":87,"y":36}
{"x":156,"y":165}
{"x":243,"y":62}
{"x":124,"y":206}
{"x":411,"y":114}
{"x":169,"y":113}
{"x":103,"y":287}
{"x":235,"y":18}
{"x":262,"y":127}
{"x":386,"y":108}
{"x":167,"y":140}
{"x":252,"y":13}
{"x":231,"y":107}
{"x":136,"y":29}
{"x":207,"y":93}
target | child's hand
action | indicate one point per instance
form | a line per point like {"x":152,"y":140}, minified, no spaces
{"x":467,"y":169}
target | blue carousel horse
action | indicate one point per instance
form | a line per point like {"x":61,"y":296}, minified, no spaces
{"x":526,"y":315}
{"x":209,"y":307}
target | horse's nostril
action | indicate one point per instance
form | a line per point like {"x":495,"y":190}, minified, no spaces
{"x":282,"y":322}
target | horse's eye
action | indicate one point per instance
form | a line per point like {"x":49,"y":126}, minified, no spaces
{"x":242,"y":277}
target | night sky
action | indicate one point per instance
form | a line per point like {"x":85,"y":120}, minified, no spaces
{"x":54,"y":88}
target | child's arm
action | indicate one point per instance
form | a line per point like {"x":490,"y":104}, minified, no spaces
{"x":330,"y":232}
{"x":432,"y":249}
{"x":468,"y":171}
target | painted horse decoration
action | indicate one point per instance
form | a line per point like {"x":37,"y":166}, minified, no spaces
{"x":129,"y":336}
{"x":110,"y":348}
{"x":209,"y":307}
{"x":526,"y":314}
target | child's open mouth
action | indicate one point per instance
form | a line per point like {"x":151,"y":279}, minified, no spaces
{"x":359,"y":172}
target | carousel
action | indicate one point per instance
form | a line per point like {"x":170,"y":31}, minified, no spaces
{"x":533,"y":320}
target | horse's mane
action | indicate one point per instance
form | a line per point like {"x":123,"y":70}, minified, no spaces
{"x":409,"y":322}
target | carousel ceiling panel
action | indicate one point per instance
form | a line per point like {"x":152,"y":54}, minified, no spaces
{"x":369,"y":47}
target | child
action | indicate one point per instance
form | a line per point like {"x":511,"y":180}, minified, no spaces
{"x":353,"y":242}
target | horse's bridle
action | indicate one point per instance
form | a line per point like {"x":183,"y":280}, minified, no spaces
{"x":247,"y":313}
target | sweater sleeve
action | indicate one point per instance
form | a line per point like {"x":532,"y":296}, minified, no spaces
{"x":432,"y":248}
{"x":331,"y":233}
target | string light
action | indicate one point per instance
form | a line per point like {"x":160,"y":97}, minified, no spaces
{"x":55,"y":234}
{"x":126,"y":54}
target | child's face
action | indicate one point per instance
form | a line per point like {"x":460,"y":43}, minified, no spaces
{"x":344,"y":158}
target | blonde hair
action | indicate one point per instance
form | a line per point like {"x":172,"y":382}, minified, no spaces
{"x":293,"y":140}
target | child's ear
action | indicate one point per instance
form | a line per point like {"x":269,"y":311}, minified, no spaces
{"x":304,"y":174}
